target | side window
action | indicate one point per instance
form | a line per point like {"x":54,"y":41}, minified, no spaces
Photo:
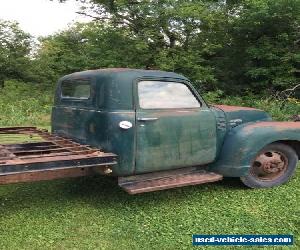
{"x":76,"y":89}
{"x":165,"y":95}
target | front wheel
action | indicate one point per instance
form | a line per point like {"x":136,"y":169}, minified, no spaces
{"x":273,"y":166}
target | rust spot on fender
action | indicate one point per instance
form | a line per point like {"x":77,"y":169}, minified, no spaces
{"x":233,"y":108}
{"x":278,"y":126}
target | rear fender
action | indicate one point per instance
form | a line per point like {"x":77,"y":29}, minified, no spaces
{"x":244,"y":142}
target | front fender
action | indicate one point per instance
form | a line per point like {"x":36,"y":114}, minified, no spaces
{"x":243,"y":143}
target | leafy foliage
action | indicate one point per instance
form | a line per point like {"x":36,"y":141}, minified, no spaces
{"x":263,"y":51}
{"x":236,"y":46}
{"x":15,"y":47}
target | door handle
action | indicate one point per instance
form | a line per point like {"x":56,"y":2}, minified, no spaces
{"x":146,"y":119}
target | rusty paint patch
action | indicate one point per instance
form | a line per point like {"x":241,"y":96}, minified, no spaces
{"x":228,"y":108}
{"x":279,"y":126}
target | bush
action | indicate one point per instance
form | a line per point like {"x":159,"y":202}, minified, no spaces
{"x":24,"y":104}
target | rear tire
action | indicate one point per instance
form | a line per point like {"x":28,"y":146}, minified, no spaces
{"x":273,"y":165}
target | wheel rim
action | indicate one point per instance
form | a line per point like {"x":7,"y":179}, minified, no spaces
{"x":269,"y":165}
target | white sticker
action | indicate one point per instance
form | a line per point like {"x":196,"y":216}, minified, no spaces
{"x":125,"y":124}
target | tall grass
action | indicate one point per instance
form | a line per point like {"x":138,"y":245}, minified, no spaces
{"x":24,"y":104}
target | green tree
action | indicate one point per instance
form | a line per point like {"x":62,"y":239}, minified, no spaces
{"x":246,"y":45}
{"x":15,"y":47}
{"x":262,"y":51}
{"x":87,"y":46}
{"x":170,"y":31}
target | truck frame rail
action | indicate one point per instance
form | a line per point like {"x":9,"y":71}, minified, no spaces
{"x":31,"y":154}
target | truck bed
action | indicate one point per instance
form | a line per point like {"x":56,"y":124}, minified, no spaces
{"x":30,"y":154}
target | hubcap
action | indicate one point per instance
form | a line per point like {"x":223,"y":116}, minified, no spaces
{"x":269,"y":165}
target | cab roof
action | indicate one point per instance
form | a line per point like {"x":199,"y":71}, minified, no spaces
{"x":124,"y":72}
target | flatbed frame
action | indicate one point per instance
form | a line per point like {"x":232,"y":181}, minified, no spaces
{"x":32,"y":154}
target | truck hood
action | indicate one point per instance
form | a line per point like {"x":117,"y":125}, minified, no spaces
{"x":236,"y":115}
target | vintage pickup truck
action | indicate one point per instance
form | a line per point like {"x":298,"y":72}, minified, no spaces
{"x":152,"y":130}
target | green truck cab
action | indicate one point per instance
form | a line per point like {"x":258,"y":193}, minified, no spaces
{"x":163,"y":134}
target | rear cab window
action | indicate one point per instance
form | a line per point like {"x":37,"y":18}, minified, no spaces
{"x":166,"y":95}
{"x":76,"y":89}
{"x":76,"y":92}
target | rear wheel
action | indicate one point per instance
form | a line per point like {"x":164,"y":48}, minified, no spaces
{"x":273,"y":166}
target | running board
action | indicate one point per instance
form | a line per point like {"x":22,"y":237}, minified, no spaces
{"x":166,"y":179}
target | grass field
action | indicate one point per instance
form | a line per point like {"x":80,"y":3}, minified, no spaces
{"x":94,"y":213}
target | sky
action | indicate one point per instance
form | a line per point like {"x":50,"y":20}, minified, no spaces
{"x":40,"y":17}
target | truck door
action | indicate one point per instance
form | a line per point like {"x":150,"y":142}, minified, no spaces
{"x":174,"y":128}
